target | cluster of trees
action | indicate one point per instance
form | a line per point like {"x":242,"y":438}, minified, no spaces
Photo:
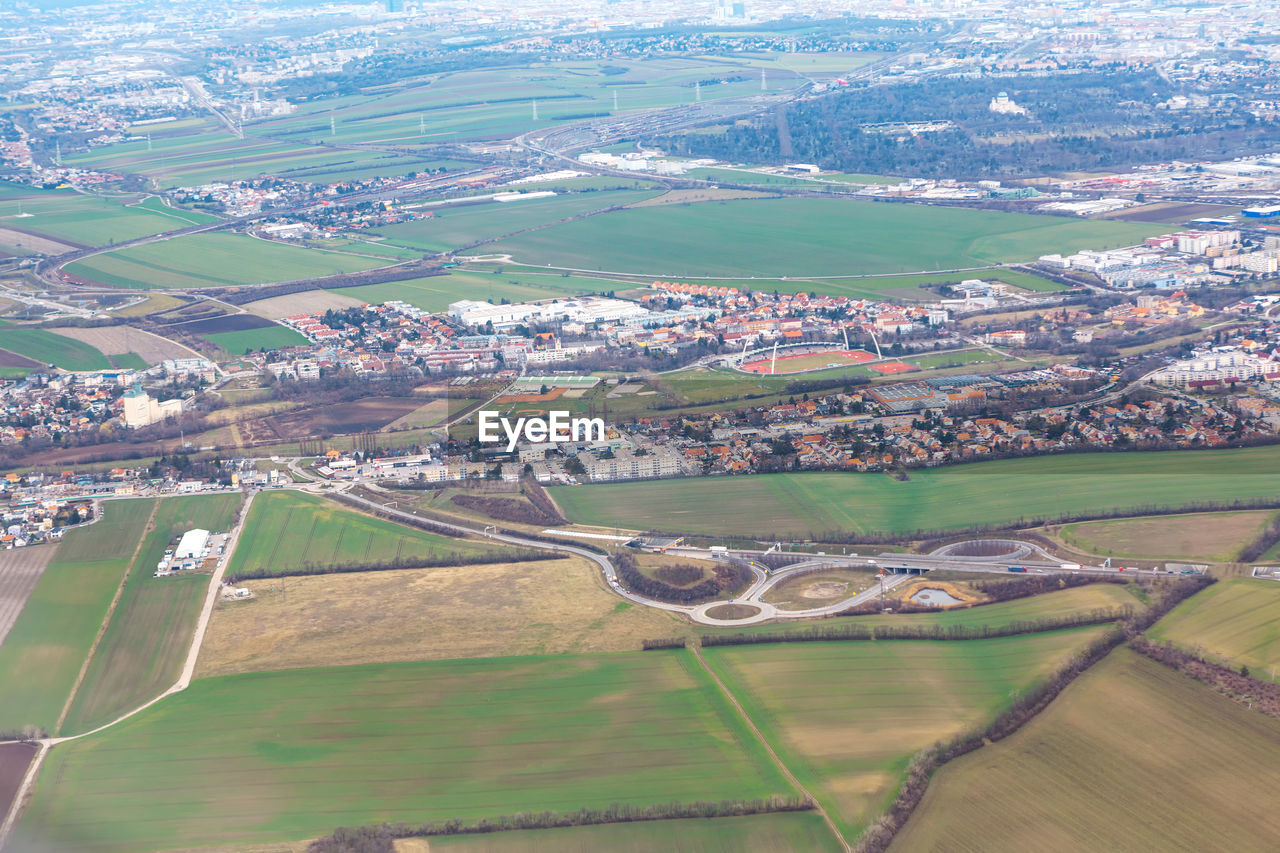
{"x":379,"y":839}
{"x":925,"y":632}
{"x":880,"y":835}
{"x":451,"y":559}
{"x":505,"y":509}
{"x":1269,"y":536}
{"x":727,"y":576}
{"x":1075,"y":121}
{"x":1237,"y":684}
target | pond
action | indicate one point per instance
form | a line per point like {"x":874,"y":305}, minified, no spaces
{"x":933,"y":597}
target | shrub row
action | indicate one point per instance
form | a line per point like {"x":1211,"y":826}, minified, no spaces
{"x":663,"y":643}
{"x":452,"y":559}
{"x":924,"y":632}
{"x":379,"y":839}
{"x":1237,"y":684}
{"x":1261,"y":545}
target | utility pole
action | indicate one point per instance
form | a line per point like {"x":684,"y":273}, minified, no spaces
{"x":615,"y":100}
{"x":535,"y":109}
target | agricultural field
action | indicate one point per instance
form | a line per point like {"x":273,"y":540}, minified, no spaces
{"x":214,"y":260}
{"x":807,"y":238}
{"x":86,"y":220}
{"x":1235,"y":622}
{"x":46,"y":347}
{"x":43,"y":654}
{"x":1014,"y":491}
{"x":116,"y":341}
{"x":1133,"y":756}
{"x":752,"y":834}
{"x":249,"y":340}
{"x":1214,"y":537}
{"x":452,"y":227}
{"x":295,"y":754}
{"x":145,"y":645}
{"x":846,"y":717}
{"x":306,"y":302}
{"x":288,"y":532}
{"x":20,"y":571}
{"x":553,"y":606}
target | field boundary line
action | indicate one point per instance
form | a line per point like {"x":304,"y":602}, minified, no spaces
{"x":106,"y":620}
{"x":23,"y":794}
{"x":786,"y":771}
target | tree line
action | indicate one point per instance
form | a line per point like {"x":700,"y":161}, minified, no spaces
{"x":453,"y":558}
{"x":1236,"y":684}
{"x":380,"y":838}
{"x":847,"y":632}
{"x":727,"y":576}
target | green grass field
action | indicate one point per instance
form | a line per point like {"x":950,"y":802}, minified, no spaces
{"x":1234,"y":622}
{"x":146,"y":641}
{"x":268,"y":337}
{"x":48,"y":348}
{"x":434,"y":293}
{"x":42,"y":656}
{"x":1001,"y":492}
{"x":289,"y":531}
{"x":211,"y":260}
{"x":772,"y":833}
{"x":89,"y":220}
{"x":1131,"y":757}
{"x":453,"y":227}
{"x":807,"y":238}
{"x":847,"y":717}
{"x":295,"y":754}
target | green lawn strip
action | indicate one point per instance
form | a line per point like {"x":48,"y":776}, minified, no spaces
{"x":248,"y":340}
{"x":146,"y":642}
{"x":295,"y":754}
{"x":951,"y":497}
{"x":44,"y":652}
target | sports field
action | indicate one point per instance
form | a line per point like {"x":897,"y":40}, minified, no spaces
{"x":248,"y":340}
{"x":490,"y":610}
{"x":49,"y":348}
{"x":291,"y":531}
{"x":146,"y":641}
{"x":290,"y":755}
{"x":1234,"y":622}
{"x":1132,"y":757}
{"x":217,"y":259}
{"x":807,"y":237}
{"x":1214,"y":537}
{"x":1002,"y":492}
{"x":752,"y":834}
{"x":42,"y":656}
{"x":808,"y":361}
{"x":451,"y":227}
{"x":847,"y":717}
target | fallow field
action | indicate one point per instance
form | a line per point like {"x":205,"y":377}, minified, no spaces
{"x":955,"y":497}
{"x":1131,"y":757}
{"x":287,"y":532}
{"x":1214,"y":537}
{"x":289,"y":755}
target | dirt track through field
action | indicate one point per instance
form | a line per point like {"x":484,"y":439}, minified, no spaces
{"x":20,"y":570}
